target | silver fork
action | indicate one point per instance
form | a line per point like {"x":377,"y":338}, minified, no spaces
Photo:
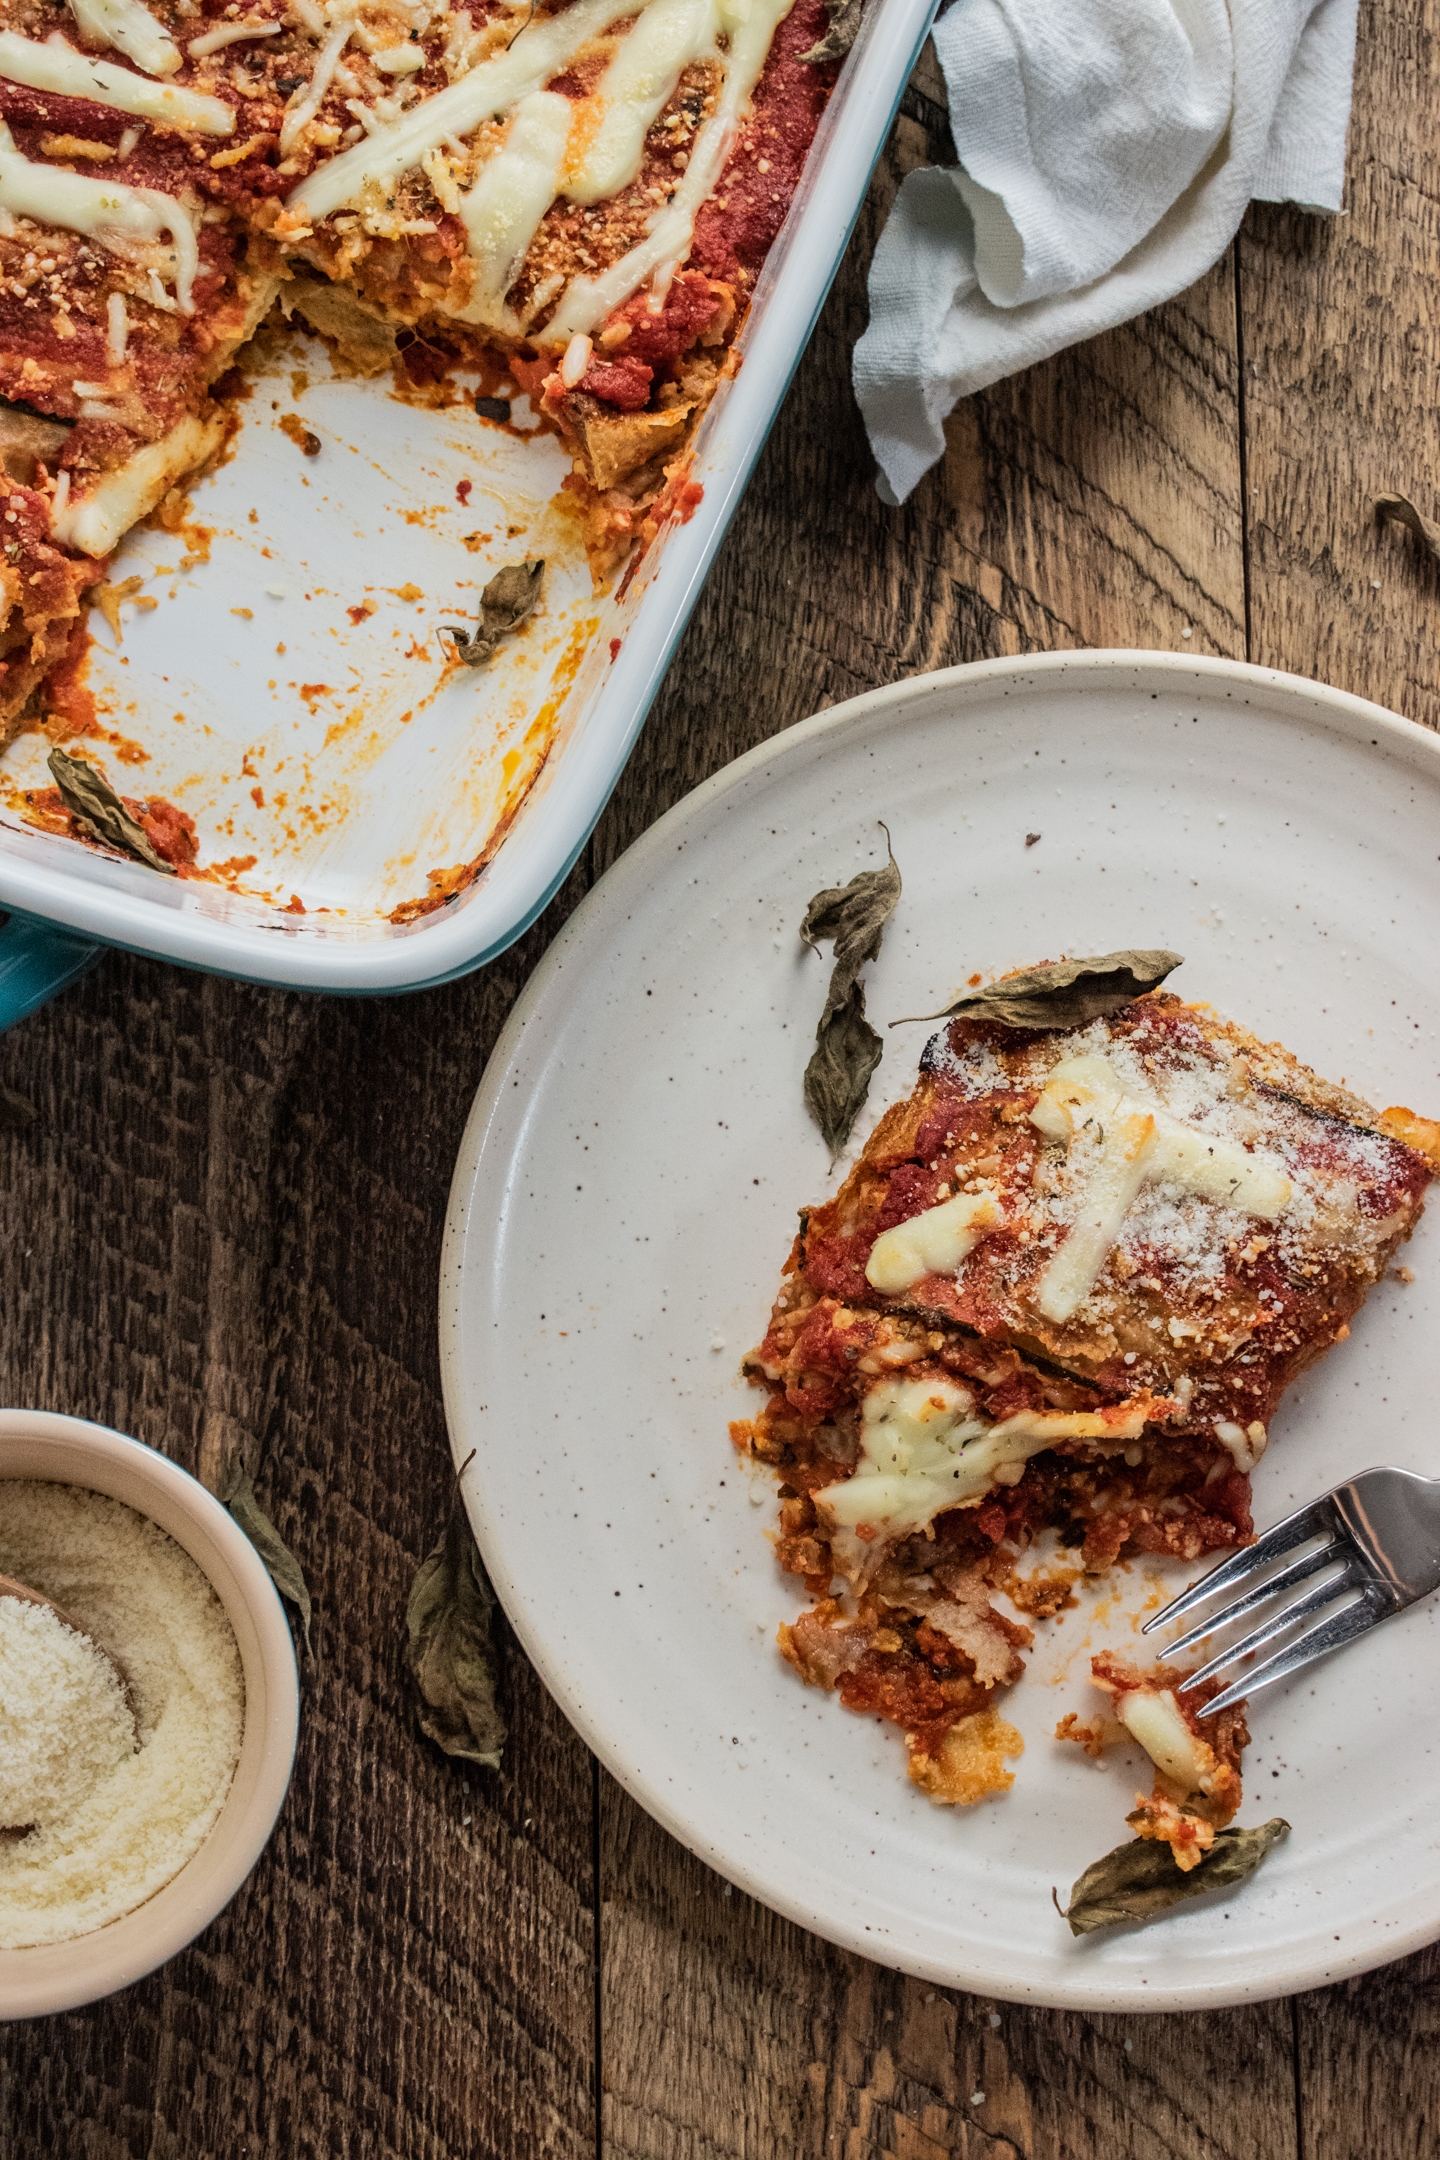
{"x":1380,"y":1551}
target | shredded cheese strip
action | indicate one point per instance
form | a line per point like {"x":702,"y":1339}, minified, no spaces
{"x":493,"y":88}
{"x":1246,"y":1443}
{"x":117,"y":330}
{"x":1113,"y":1190}
{"x":512,"y":193}
{"x":399,"y":60}
{"x":516,"y":187}
{"x":463,"y":43}
{"x":932,"y":1243}
{"x":436,"y":167}
{"x":131,"y":29}
{"x":588,"y":301}
{"x":1155,"y":1720}
{"x":636,"y":87}
{"x":307,"y":102}
{"x":59,"y":67}
{"x":214,"y":40}
{"x":120,"y":218}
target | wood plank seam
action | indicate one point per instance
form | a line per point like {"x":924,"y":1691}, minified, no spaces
{"x":1243,"y":445}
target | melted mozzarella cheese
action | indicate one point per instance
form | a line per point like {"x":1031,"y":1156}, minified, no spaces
{"x":1155,"y":1721}
{"x":131,"y":29}
{"x":588,"y":301}
{"x":230,"y":34}
{"x":96,"y":521}
{"x":1246,"y":1443}
{"x":1141,"y":1143}
{"x":307,"y":101}
{"x":495,"y":87}
{"x":924,"y":1448}
{"x":933,"y":1243}
{"x":122,"y":219}
{"x":59,"y":67}
{"x":635,"y":88}
{"x":513,"y":192}
{"x":605,"y":142}
{"x":400,"y":60}
{"x":1113,"y":1190}
{"x":914,"y":1437}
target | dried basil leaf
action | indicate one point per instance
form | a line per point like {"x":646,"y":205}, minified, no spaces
{"x":1141,"y":1880}
{"x":285,"y":1570}
{"x":845,"y":20}
{"x":1064,"y":993}
{"x":504,"y":604}
{"x":847,"y":1049}
{"x":95,"y":806}
{"x":450,"y":1653}
{"x":854,"y":915}
{"x":1401,"y":511}
{"x":837,"y":1078}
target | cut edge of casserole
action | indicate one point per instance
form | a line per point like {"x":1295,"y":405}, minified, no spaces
{"x":576,"y":199}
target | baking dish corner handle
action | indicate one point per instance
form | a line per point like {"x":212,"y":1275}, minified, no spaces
{"x":37,"y":961}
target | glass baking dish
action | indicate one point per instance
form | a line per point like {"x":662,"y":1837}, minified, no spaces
{"x":289,"y":691}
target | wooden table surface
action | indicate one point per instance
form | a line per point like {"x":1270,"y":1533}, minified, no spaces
{"x":223,"y":1235}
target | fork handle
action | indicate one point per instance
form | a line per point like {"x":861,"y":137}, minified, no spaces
{"x":1392,"y":1518}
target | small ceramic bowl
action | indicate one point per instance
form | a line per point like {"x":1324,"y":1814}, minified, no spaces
{"x":69,"y":1451}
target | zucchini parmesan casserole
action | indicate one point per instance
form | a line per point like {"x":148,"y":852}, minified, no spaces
{"x":1064,"y":1289}
{"x":577,"y":197}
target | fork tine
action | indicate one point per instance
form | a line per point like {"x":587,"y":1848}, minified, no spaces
{"x":1332,"y":1632}
{"x":1282,"y":1537}
{"x":1295,"y":1572}
{"x":1291,"y":1616}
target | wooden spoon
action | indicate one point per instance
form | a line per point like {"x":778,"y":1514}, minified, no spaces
{"x":12,"y":1589}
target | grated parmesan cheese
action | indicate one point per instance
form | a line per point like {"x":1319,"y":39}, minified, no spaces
{"x":1168,"y":1220}
{"x":64,"y":1720}
{"x":109,"y":1837}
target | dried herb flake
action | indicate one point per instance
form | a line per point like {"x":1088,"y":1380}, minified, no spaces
{"x":846,"y":17}
{"x":847,"y":1048}
{"x":1401,"y":511}
{"x":450,"y":1653}
{"x":1063,"y":993}
{"x":285,"y":1570}
{"x":1139,"y":1881}
{"x":98,"y":810}
{"x":506,"y":601}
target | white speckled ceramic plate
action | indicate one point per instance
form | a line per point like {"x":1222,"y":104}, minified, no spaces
{"x":627,"y":1190}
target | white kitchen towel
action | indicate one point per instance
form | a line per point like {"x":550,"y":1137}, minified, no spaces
{"x":1107,"y":151}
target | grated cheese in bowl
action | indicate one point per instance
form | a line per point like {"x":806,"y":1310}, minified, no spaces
{"x":111,"y":1815}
